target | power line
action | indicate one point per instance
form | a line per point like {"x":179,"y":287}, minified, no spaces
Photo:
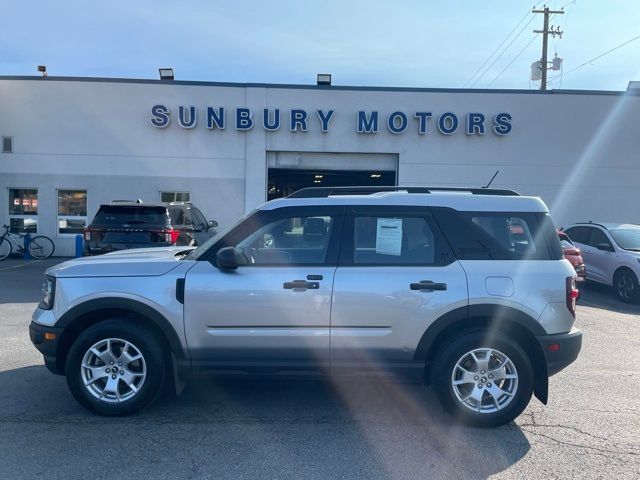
{"x":498,"y":47}
{"x":598,"y":57}
{"x":511,"y":62}
{"x":503,"y":51}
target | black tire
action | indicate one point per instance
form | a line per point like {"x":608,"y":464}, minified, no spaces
{"x":5,"y":248}
{"x":41,"y":247}
{"x":142,"y":340}
{"x":626,"y":286}
{"x":443,"y":369}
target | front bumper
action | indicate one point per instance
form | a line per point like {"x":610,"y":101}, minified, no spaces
{"x":561,"y":349}
{"x":48,"y":347}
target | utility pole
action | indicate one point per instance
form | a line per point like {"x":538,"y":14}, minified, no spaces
{"x":545,"y":33}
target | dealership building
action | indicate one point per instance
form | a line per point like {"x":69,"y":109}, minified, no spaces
{"x":72,"y":144}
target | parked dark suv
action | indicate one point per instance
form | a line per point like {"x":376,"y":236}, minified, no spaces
{"x":126,"y":224}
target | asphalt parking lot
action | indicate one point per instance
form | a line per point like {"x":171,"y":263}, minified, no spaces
{"x":241,"y":429}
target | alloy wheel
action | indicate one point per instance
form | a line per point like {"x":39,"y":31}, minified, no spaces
{"x":625,"y":286}
{"x":113,"y":370}
{"x":484,"y":380}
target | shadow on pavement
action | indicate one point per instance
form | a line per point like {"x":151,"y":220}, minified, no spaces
{"x":264,"y":428}
{"x":602,"y":296}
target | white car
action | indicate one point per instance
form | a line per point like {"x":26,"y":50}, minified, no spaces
{"x":611,"y":253}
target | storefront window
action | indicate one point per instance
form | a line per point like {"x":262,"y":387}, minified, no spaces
{"x":175,"y":196}
{"x":23,"y":210}
{"x":72,"y":211}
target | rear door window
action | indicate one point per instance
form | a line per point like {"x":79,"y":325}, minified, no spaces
{"x":579,"y":234}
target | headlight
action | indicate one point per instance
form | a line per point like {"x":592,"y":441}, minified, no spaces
{"x":48,"y":293}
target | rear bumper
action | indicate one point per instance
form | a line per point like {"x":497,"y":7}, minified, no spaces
{"x":560,"y":350}
{"x":48,"y":348}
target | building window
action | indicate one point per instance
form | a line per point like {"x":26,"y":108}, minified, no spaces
{"x":7,"y":144}
{"x":23,"y":210}
{"x":175,"y":196}
{"x":72,"y":211}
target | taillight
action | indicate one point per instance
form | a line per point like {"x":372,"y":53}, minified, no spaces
{"x":171,"y":236}
{"x":87,"y":234}
{"x":572,"y":295}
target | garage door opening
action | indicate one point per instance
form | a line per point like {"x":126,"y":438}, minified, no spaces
{"x":288,"y":172}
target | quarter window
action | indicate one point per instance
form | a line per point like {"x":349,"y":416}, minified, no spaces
{"x":72,"y":211}
{"x":23,"y":210}
{"x":292,"y":240}
{"x":393,"y":240}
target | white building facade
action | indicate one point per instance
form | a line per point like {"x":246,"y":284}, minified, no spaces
{"x":72,"y":144}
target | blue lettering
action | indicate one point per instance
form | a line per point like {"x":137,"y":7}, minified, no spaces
{"x":450,"y":126}
{"x":243,"y":119}
{"x":475,"y":124}
{"x":215,"y":119}
{"x":298,"y":119}
{"x":502,"y":124}
{"x":422,"y":121}
{"x":325,"y":118}
{"x":393,"y":125}
{"x":160,"y":116}
{"x":367,"y":124}
{"x":276,"y":120}
{"x":187,"y":121}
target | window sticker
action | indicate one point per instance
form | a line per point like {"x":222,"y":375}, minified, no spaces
{"x":389,"y":236}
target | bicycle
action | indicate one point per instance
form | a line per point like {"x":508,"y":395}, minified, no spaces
{"x":39,"y":247}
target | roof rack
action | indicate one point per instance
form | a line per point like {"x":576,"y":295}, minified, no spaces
{"x":115,"y":202}
{"x":321,"y":192}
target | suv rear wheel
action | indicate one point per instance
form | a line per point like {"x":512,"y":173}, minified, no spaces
{"x":115,"y":368}
{"x":483,"y":378}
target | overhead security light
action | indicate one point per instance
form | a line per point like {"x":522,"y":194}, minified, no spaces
{"x":166,"y":73}
{"x":324,"y":79}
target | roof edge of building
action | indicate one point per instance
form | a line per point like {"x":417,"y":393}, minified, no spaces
{"x":315,"y":87}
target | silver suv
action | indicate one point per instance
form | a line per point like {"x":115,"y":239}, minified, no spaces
{"x":466,"y":290}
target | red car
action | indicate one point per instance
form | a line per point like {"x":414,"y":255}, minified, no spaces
{"x":573,"y":254}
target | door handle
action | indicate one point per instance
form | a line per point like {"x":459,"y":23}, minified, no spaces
{"x":428,"y":286}
{"x":301,"y":285}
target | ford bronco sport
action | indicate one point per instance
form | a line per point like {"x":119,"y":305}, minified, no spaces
{"x":429,"y":283}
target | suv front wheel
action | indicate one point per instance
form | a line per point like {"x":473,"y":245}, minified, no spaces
{"x":115,"y":368}
{"x":483,"y":378}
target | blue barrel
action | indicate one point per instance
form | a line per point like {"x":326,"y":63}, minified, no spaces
{"x":79,"y":245}
{"x":27,"y":241}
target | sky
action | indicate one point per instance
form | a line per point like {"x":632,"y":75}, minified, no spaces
{"x":391,"y":43}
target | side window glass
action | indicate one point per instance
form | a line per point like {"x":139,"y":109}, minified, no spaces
{"x":198,"y":218}
{"x":597,"y":237}
{"x":578,"y":234}
{"x":512,"y":233}
{"x":294,"y":240}
{"x":393,"y":240}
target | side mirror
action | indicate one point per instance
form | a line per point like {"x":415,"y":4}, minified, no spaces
{"x":212,"y":224}
{"x":604,"y":247}
{"x":229,"y":258}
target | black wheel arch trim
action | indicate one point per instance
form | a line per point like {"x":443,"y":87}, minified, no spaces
{"x":129,"y":305}
{"x":500,"y":317}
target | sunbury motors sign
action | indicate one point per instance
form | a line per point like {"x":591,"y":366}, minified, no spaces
{"x":300,"y":120}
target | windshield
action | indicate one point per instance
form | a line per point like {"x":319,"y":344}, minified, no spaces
{"x":627,"y":238}
{"x":202,"y":249}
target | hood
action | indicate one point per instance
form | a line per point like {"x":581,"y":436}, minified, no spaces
{"x":142,"y":262}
